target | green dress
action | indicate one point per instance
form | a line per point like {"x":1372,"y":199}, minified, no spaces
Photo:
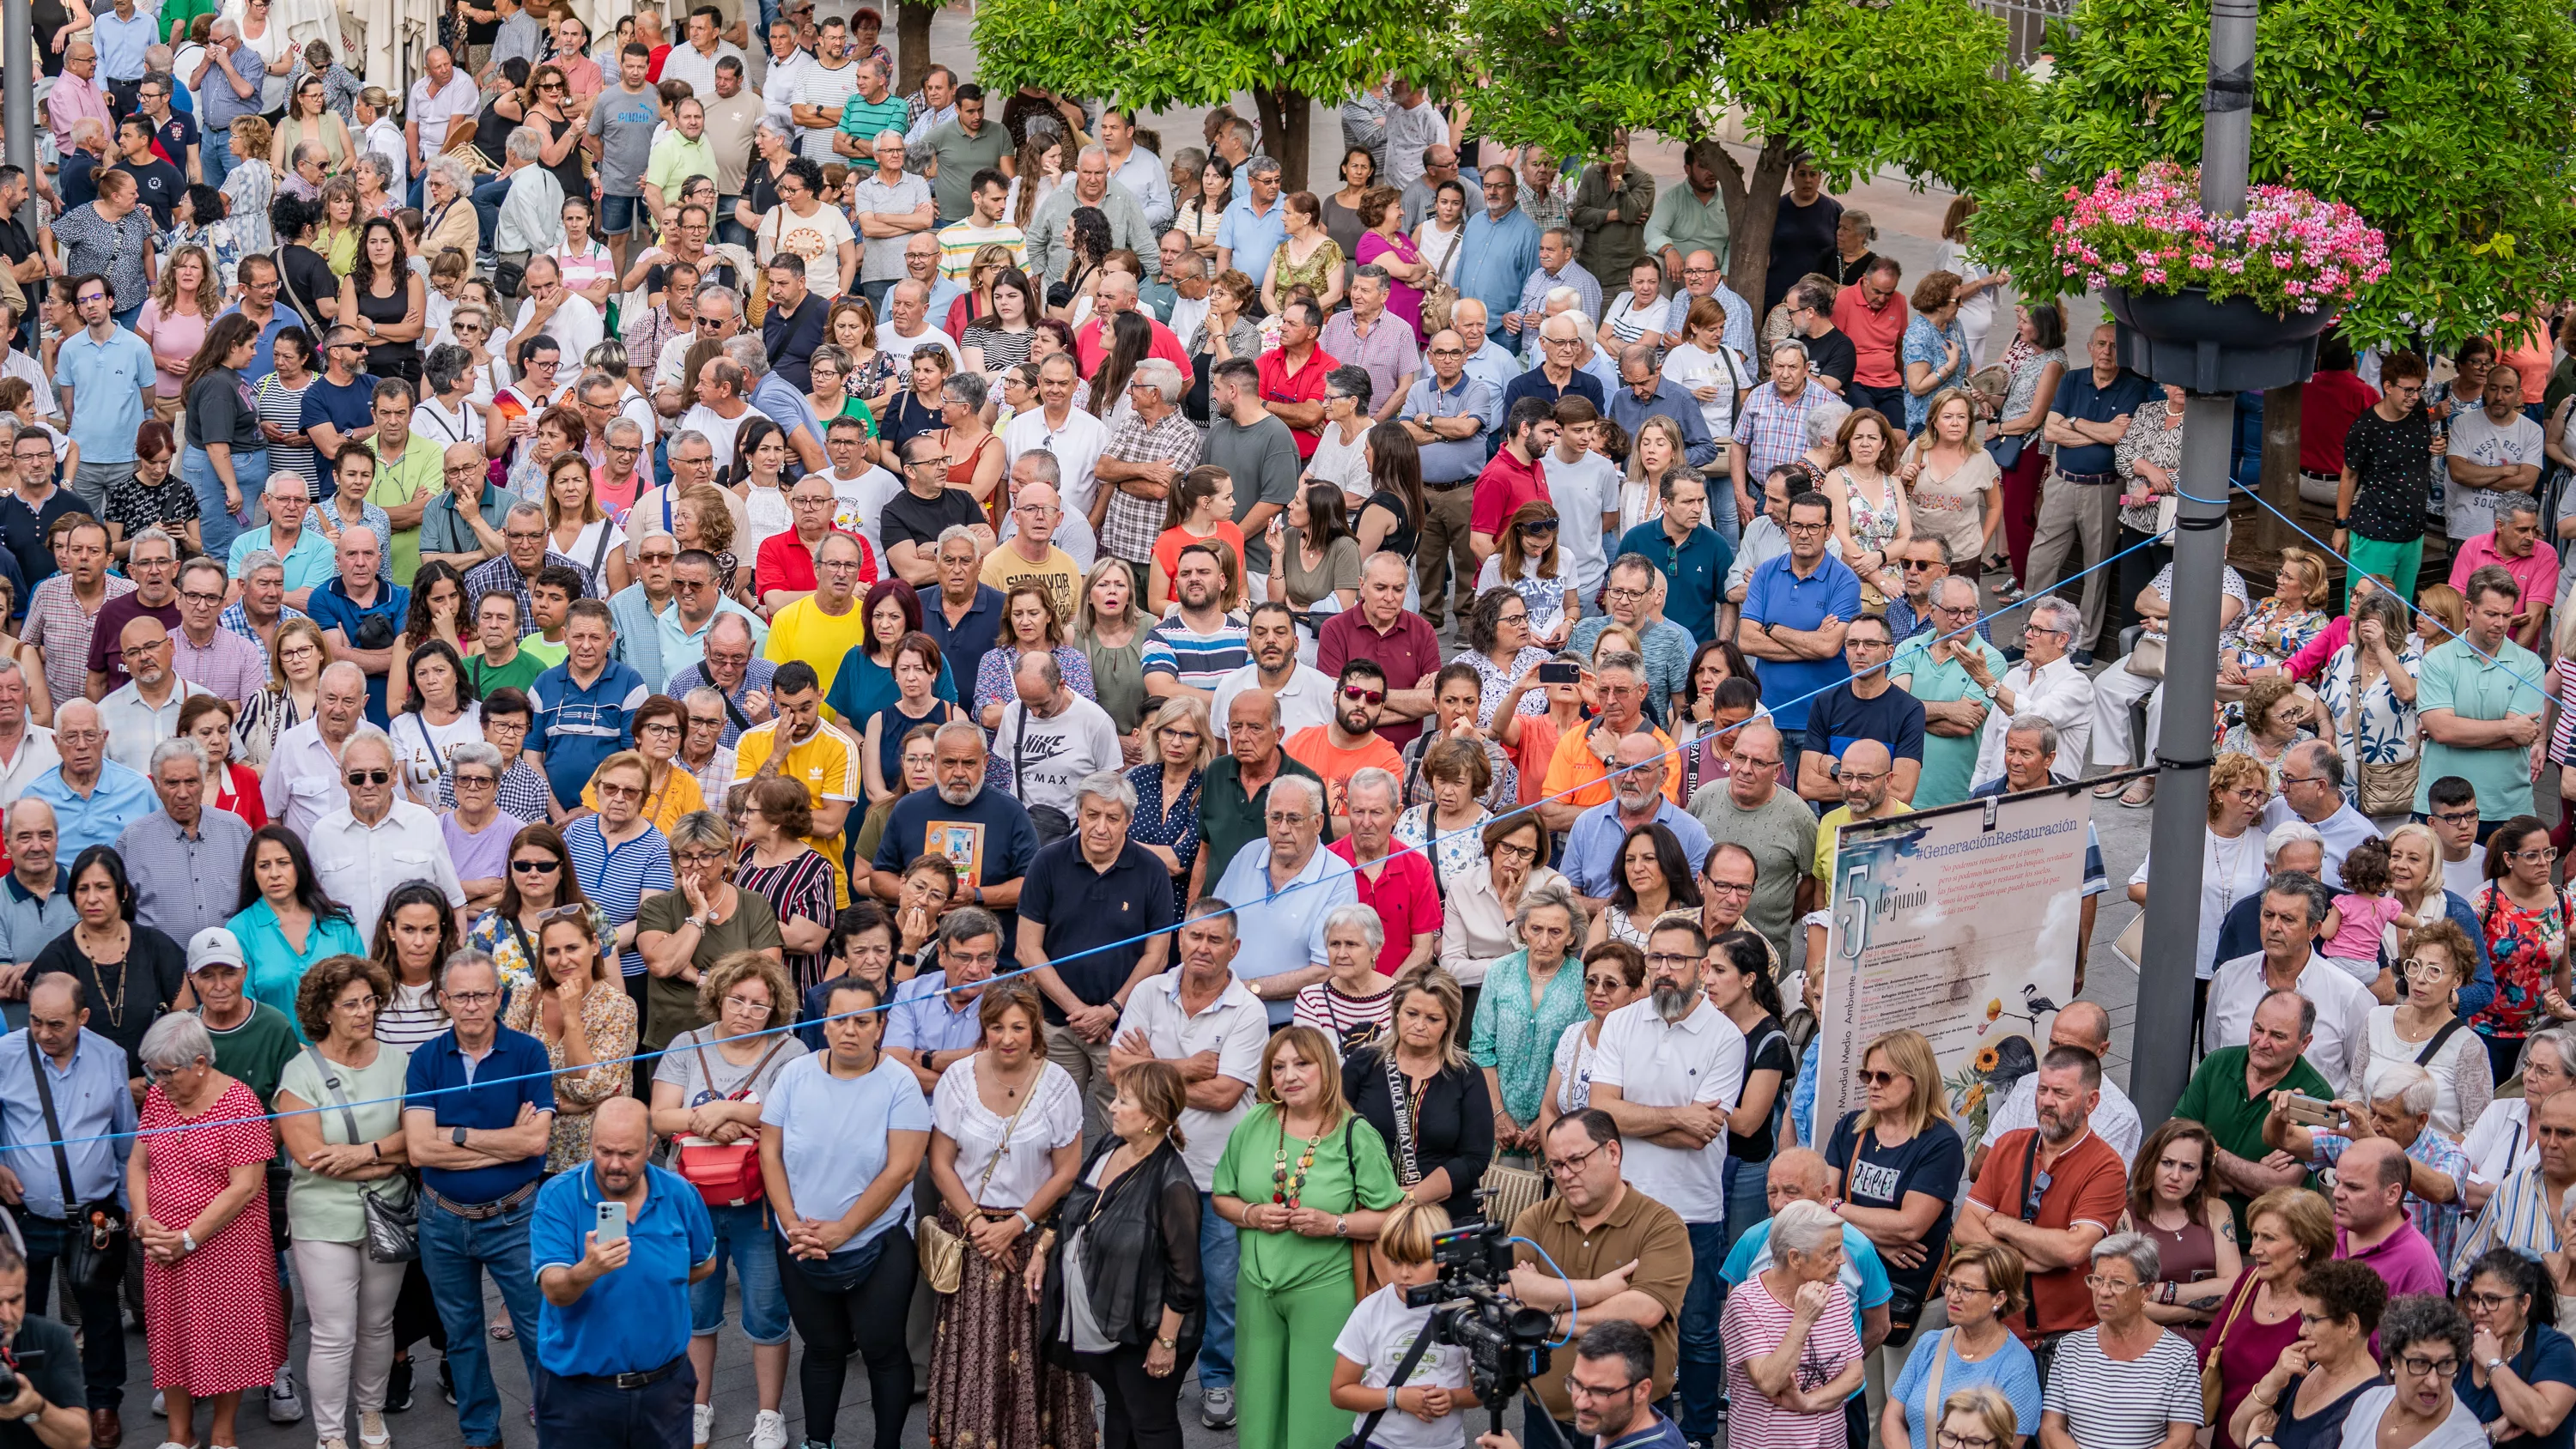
{"x":1293,"y":1293}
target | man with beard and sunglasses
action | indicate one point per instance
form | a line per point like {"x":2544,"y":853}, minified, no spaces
{"x":1668,"y":1071}
{"x":1349,"y":742}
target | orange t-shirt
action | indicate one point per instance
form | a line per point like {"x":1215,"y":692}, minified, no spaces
{"x":1313,"y":748}
{"x":1167,"y":549}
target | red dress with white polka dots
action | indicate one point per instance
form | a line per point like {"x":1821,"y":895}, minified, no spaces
{"x":212,"y":1320}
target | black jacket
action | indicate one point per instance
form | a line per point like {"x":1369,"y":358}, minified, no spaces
{"x":1140,"y":1252}
{"x":1455,"y":1124}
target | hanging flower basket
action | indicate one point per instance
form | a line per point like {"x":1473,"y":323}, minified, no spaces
{"x":2216,"y":303}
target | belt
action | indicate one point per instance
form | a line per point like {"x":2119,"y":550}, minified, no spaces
{"x":2089,"y":480}
{"x":641,"y":1379}
{"x":2335,"y":478}
{"x":477,"y":1212}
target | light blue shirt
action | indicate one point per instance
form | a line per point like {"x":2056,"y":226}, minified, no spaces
{"x":1446,"y":462}
{"x":923,"y":1019}
{"x":785,"y":406}
{"x":28,"y":925}
{"x":91,"y":1100}
{"x":120,"y":798}
{"x":834,"y":1136}
{"x":107,"y":380}
{"x":1592,"y":846}
{"x":121,"y":43}
{"x":678,"y":647}
{"x":1252,"y":235}
{"x":1494,"y":259}
{"x":639,"y":641}
{"x":1283,"y":930}
{"x":309,"y":565}
{"x":1495,"y":367}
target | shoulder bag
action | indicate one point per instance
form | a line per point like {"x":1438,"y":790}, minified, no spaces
{"x":393,"y":1227}
{"x":1403,"y":1370}
{"x":1441,"y":296}
{"x":2211,"y":1383}
{"x":943,"y":1253}
{"x":2385,"y":788}
{"x":94,"y":1233}
{"x":726,"y":1174}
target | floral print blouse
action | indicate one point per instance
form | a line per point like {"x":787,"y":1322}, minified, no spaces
{"x":2385,"y":734}
{"x":1171,"y":824}
{"x":2296,"y":626}
{"x":2521,"y":944}
{"x":1456,"y":854}
{"x":495,"y":939}
{"x":608,"y":1023}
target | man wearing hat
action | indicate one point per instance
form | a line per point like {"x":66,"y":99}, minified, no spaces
{"x":253,"y":1040}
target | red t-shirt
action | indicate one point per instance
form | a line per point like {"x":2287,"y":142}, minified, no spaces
{"x":2086,"y":1184}
{"x":1502,"y":488}
{"x":1305,"y":385}
{"x":1406,"y":901}
{"x":1091,"y":350}
{"x":1874,"y":336}
{"x":783,"y":563}
{"x":2327,"y":407}
{"x":653,"y":67}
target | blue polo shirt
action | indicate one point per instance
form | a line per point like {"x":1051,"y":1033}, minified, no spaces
{"x":1592,"y":846}
{"x":965,"y":642}
{"x":1694,"y":571}
{"x":121,"y":797}
{"x":1252,"y":236}
{"x":311,"y":563}
{"x":2078,"y":396}
{"x":637,"y":1317}
{"x":107,"y":380}
{"x":487,"y":1095}
{"x":1776,"y":595}
{"x":1283,"y":930}
{"x":1494,"y":259}
{"x":332,"y":608}
{"x":263,"y":357}
{"x":1083,"y":908}
{"x":345,"y":408}
{"x":576,"y":728}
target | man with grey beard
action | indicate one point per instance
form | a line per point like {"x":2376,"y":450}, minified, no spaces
{"x":2080,"y":1183}
{"x":1668,"y":1072}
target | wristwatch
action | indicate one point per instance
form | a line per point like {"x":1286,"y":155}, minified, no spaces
{"x":1168,"y":1344}
{"x":187,"y":1241}
{"x":457,"y":1136}
{"x":2491,"y":1365}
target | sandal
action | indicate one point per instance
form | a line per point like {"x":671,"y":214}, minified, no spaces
{"x":2139,"y":795}
{"x":2105,"y":792}
{"x":500,"y":1328}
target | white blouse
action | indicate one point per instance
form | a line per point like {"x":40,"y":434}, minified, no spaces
{"x":1574,"y":1058}
{"x":1052,"y":1119}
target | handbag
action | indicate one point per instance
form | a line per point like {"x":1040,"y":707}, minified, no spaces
{"x":1441,"y":296}
{"x":94,"y":1233}
{"x":2147,"y":658}
{"x":393,"y":1228}
{"x":2005,"y":448}
{"x":508,"y":277}
{"x":2211,"y":1383}
{"x":2388,"y":789}
{"x":943,"y":1253}
{"x":726,"y":1174}
{"x":1359,"y":1439}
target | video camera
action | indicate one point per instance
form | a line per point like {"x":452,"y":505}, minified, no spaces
{"x":1506,"y":1340}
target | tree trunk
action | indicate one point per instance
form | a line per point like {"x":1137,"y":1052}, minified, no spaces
{"x":1287,"y":126}
{"x":1752,"y":205}
{"x":912,"y":45}
{"x":2280,"y":477}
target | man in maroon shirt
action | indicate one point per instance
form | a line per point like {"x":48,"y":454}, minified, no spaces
{"x":1401,"y":642}
{"x":2328,"y":404}
{"x":1292,"y":374}
{"x":1516,"y":475}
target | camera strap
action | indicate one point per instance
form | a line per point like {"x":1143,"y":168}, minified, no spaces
{"x":1403,"y":1370}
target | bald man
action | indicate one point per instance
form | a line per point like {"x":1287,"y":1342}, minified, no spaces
{"x":1867,"y":775}
{"x":144,"y":711}
{"x":2078,"y":1024}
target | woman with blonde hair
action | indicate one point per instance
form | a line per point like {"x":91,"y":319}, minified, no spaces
{"x":1904,"y":1134}
{"x":1419,"y":1067}
{"x":1109,"y":627}
{"x":579,"y":529}
{"x":1166,"y":818}
{"x":1954,"y":489}
{"x":1978,"y":283}
{"x":2280,"y":624}
{"x":335,"y":231}
{"x":1656,"y":455}
{"x":1383,"y":1330}
{"x":584,"y":1018}
{"x":2288,"y":1231}
{"x":175,"y":320}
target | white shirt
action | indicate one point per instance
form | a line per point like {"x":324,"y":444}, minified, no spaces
{"x":718,"y":428}
{"x":2064,"y":696}
{"x":1044,"y":758}
{"x":2343,"y":1010}
{"x":1077,"y":444}
{"x":576,"y":325}
{"x":303,"y":780}
{"x":1583,"y":490}
{"x":1306,"y":699}
{"x":1052,"y":1118}
{"x":435,"y":421}
{"x":359,"y":865}
{"x":29,"y":370}
{"x":386,"y":140}
{"x":2499,"y":1144}
{"x":432,"y":107}
{"x":2343,"y":830}
{"x":778,"y":89}
{"x":1655,"y":1063}
{"x":683,"y":62}
{"x":36,"y":755}
{"x":2230,"y":870}
{"x":1236,"y":1026}
{"x":2468,"y":512}
{"x":2463,"y":877}
{"x":2115,"y":1120}
{"x":827,"y":89}
{"x":134,"y":727}
{"x":1377,"y":1335}
{"x":892,"y":342}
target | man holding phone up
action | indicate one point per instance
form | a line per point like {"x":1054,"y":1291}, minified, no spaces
{"x":615,"y":1250}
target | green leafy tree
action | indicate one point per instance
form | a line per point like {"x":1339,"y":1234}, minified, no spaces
{"x":1201,"y":52}
{"x":1916,"y":84}
{"x":2448,"y":128}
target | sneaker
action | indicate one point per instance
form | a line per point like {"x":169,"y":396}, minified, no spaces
{"x":160,"y":1410}
{"x":769,"y":1430}
{"x":1216,"y":1407}
{"x":398,"y":1387}
{"x":284,"y":1406}
{"x":702,"y":1423}
{"x":372,"y":1432}
{"x":446,"y":1380}
{"x":2083,"y":658}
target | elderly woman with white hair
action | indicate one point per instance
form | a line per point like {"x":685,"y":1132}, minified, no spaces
{"x":2126,"y":1380}
{"x":1155,"y":433}
{"x":1793,"y":1353}
{"x":1354,"y":1003}
{"x":530,"y":219}
{"x":451,"y":223}
{"x":2500,"y":1142}
{"x":1529,"y":1000}
{"x":197,"y":1188}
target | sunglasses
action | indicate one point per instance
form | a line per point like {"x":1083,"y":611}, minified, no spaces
{"x":369,"y":777}
{"x":1357,"y":695}
{"x":536,"y":867}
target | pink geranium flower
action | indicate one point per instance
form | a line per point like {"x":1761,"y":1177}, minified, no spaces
{"x":2291,"y":251}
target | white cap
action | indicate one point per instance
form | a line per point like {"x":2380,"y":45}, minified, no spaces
{"x":215,"y":946}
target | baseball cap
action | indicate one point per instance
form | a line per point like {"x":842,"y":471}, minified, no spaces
{"x":214,"y":946}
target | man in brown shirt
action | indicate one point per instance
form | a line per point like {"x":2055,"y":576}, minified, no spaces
{"x":1629,"y":1256}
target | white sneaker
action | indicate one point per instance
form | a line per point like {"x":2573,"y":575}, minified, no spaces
{"x":372,"y":1432}
{"x":284,"y":1405}
{"x":702,"y":1420}
{"x":769,"y":1430}
{"x":160,"y":1409}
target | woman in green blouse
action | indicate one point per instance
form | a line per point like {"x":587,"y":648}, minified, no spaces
{"x":1530,"y":997}
{"x":1303,"y":1177}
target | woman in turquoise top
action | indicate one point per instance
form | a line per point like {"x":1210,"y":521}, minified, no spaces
{"x":865,"y":682}
{"x":286,"y":924}
{"x":1528,"y":1000}
{"x":1303,"y":1178}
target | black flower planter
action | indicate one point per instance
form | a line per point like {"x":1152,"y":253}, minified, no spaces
{"x":2215,"y":347}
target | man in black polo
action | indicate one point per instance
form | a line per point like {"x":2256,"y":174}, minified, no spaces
{"x":1094,"y":889}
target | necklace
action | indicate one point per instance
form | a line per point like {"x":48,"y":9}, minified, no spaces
{"x":1284,"y":1189}
{"x":98,"y":977}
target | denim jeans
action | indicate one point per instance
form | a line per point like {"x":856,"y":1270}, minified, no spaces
{"x":456,"y":1252}
{"x":488,"y":196}
{"x":219,"y":524}
{"x":876,"y":293}
{"x":1746,"y":1201}
{"x":577,"y":1411}
{"x":1700,"y":1380}
{"x":1219,"y":1252}
{"x":742,"y":1237}
{"x":103,"y":1341}
{"x":1721,"y":512}
{"x":215,"y":153}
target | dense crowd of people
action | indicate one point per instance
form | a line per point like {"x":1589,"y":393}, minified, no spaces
{"x":622,"y":661}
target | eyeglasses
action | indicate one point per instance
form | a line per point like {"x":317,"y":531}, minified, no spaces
{"x":706,"y":722}
{"x":1729,"y":888}
{"x":620,"y":792}
{"x":2420,"y":1366}
{"x":2489,"y":1301}
{"x":1573,"y":1162}
{"x":369,"y":777}
{"x":1956,"y":1284}
{"x":2455,"y":817}
{"x":470,"y":998}
{"x":1868,"y":1078}
{"x":200,"y":596}
{"x":1964,"y":1441}
{"x":1671,"y":960}
{"x":2040,"y":1183}
{"x":1921,"y":565}
{"x":2112,"y":1282}
{"x":474,"y":782}
{"x":2541,"y":856}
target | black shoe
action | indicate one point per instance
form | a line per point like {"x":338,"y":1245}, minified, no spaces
{"x":446,"y":1380}
{"x":2083,"y":658}
{"x":398,"y":1387}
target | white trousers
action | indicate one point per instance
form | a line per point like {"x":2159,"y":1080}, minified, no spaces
{"x":350,"y":1298}
{"x":2114,"y":690}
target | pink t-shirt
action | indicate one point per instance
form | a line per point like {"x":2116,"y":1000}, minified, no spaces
{"x":2364,"y":917}
{"x":175,"y":338}
{"x":1752,"y":1326}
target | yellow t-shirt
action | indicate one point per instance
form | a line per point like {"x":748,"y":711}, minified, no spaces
{"x":803,"y":631}
{"x":827,"y":765}
{"x":680,"y":795}
{"x":1828,"y":839}
{"x":1004,"y":569}
{"x":419,"y":473}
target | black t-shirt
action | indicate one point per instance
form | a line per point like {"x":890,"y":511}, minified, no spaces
{"x":1839,"y":717}
{"x":158,"y":183}
{"x":14,"y":243}
{"x":1931,"y":1161}
{"x":76,"y":180}
{"x":1832,"y":355}
{"x":910,"y":518}
{"x":46,"y":1357}
{"x":906,"y":419}
{"x":791,"y":340}
{"x":222,"y":409}
{"x":22,"y":532}
{"x":2390,"y":463}
{"x":1767,"y":1048}
{"x":1797,"y":234}
{"x":137,"y":991}
{"x":759,"y":188}
{"x":309,"y":279}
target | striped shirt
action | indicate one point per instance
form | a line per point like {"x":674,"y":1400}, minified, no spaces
{"x":411,"y":1017}
{"x":284,"y":406}
{"x":1752,"y":1326}
{"x":237,"y":620}
{"x":959,"y":242}
{"x":2109,"y":1404}
{"x":617,"y":879}
{"x":523,"y":793}
{"x":2520,"y":1216}
{"x":58,"y":625}
{"x":1197,"y":660}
